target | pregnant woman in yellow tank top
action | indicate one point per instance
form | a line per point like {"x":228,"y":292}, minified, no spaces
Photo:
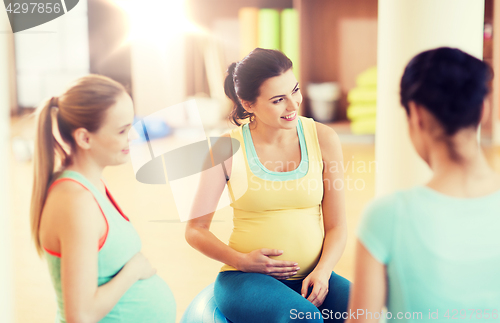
{"x":289,"y":216}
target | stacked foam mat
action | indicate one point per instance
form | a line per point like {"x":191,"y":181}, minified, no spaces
{"x":270,"y":29}
{"x":362,"y":109}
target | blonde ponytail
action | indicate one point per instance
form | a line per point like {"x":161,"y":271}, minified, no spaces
{"x":43,"y":167}
{"x":83,"y":105}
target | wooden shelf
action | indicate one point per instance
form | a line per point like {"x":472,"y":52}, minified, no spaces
{"x":338,"y":41}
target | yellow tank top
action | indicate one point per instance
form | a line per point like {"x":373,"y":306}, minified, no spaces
{"x":278,"y":210}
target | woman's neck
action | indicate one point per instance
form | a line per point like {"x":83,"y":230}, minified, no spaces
{"x":271,"y":135}
{"x":461,"y":169}
{"x":88,"y":168}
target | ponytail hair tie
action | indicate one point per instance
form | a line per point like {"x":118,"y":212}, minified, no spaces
{"x":231,"y":69}
{"x":54,"y":102}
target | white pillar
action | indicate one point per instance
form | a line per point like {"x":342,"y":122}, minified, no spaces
{"x":158,"y":54}
{"x":158,"y":77}
{"x":6,"y":293}
{"x":406,"y":28}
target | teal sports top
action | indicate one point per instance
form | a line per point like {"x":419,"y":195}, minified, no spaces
{"x":148,"y":300}
{"x":262,"y":172}
{"x":442,"y":254}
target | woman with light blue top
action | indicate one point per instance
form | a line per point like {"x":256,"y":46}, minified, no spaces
{"x":432,"y":253}
{"x":91,"y":247}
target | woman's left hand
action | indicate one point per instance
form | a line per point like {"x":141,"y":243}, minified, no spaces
{"x":319,"y":280}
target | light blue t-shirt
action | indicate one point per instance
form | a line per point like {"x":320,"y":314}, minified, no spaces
{"x":442,"y":254}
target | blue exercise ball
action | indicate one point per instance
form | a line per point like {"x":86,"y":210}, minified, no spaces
{"x":203,"y":309}
{"x":155,"y":128}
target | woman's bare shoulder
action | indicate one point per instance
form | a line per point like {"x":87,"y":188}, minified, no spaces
{"x":222,"y":151}
{"x":329,"y":140}
{"x":69,"y":202}
{"x":68,"y":189}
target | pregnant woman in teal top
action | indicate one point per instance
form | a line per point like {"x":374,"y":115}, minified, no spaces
{"x":432,"y":253}
{"x":92,"y":249}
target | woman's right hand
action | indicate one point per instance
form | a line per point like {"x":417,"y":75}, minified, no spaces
{"x":140,"y":265}
{"x":259,"y":261}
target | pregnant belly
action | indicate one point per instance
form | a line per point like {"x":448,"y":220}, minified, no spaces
{"x":148,"y":300}
{"x":299,"y":235}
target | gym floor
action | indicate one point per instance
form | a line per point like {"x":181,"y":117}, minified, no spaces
{"x":151,"y":209}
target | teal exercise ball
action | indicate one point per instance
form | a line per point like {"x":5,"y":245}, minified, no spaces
{"x":203,"y":309}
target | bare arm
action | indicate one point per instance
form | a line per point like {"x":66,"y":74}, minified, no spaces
{"x":333,"y":204}
{"x":78,"y":235}
{"x":334,"y":219}
{"x":198,"y":233}
{"x":369,"y":290}
{"x":207,"y":196}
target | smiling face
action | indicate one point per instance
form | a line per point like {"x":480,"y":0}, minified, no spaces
{"x":109,"y":144}
{"x":278,"y":103}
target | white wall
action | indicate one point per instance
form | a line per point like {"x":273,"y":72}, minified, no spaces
{"x":6,"y":293}
{"x":158,"y":54}
{"x":50,"y":56}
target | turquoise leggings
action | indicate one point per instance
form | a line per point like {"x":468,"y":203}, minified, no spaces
{"x":251,"y":297}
